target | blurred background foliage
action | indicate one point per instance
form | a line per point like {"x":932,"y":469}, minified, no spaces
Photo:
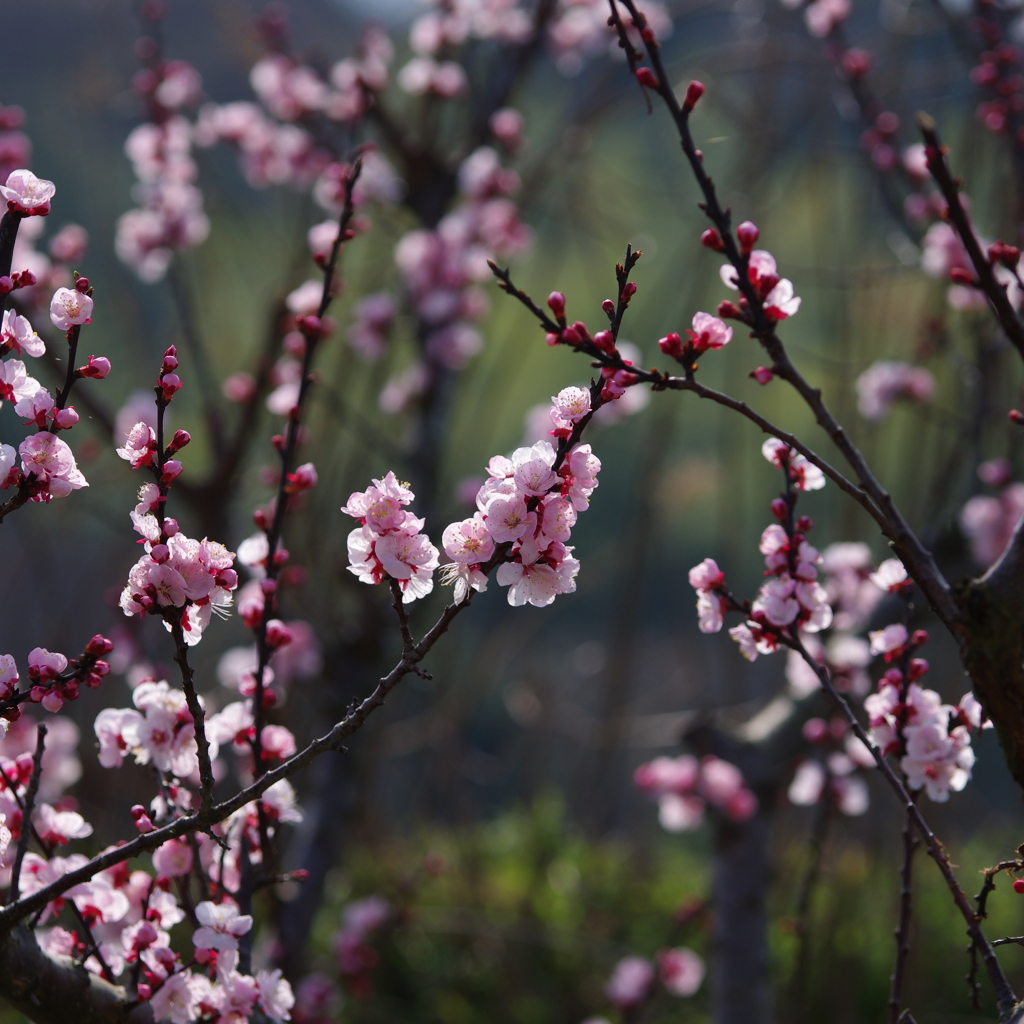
{"x":512,"y":767}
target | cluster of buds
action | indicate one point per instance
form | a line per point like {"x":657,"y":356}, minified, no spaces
{"x":708,"y":332}
{"x":54,"y":679}
{"x":168,"y":381}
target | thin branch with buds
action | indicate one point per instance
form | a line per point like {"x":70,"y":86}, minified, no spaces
{"x":30,"y":801}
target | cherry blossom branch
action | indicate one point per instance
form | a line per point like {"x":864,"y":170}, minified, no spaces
{"x":30,"y":800}
{"x":957,"y":215}
{"x":195,"y":708}
{"x":903,"y":923}
{"x":1005,"y":998}
{"x":662,"y":381}
{"x":917,"y":558}
{"x":311,"y":328}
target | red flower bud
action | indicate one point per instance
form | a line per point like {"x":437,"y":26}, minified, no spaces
{"x":805,"y":524}
{"x":762,"y":374}
{"x":180,"y":439}
{"x":960,"y":275}
{"x":729,"y":310}
{"x":780,"y":509}
{"x":747,"y":234}
{"x":1015,"y":416}
{"x":645,"y":76}
{"x":628,"y":292}
{"x":713,"y":240}
{"x":694,"y":91}
{"x":919,"y":637}
{"x":671,"y":345}
{"x":917,"y":668}
{"x":82,"y":284}
{"x":99,"y":645}
{"x":556,"y":303}
{"x":605,"y":341}
{"x":609,"y":307}
{"x":1018,"y":885}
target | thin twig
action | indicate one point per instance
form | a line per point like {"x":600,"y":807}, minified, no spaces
{"x":903,"y":922}
{"x":198,"y":718}
{"x":26,"y":815}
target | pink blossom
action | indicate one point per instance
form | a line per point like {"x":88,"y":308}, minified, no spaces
{"x":885,"y":381}
{"x":805,"y":475}
{"x":507,"y":519}
{"x":468,"y":542}
{"x":275,"y":995}
{"x":680,"y":812}
{"x":681,"y":970}
{"x":668,"y":775}
{"x":706,"y":575}
{"x":175,"y":999}
{"x":140,"y":446}
{"x":70,"y":307}
{"x":888,"y":640}
{"x":710,"y":608}
{"x":27,"y":193}
{"x":57,"y":827}
{"x":823,"y":15}
{"x":17,"y":333}
{"x":630,"y":981}
{"x":709,"y":332}
{"x":173,"y":858}
{"x":747,"y":644}
{"x":69,"y":244}
{"x":221,"y":925}
{"x":808,"y":784}
{"x":989,"y":522}
{"x":538,"y":582}
{"x":891,"y":576}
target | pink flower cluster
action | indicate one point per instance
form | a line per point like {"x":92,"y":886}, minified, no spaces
{"x":170,"y":214}
{"x":885,"y":381}
{"x":176,"y":571}
{"x":835,"y":775}
{"x":389,"y":544}
{"x":988,"y":522}
{"x":774,"y":291}
{"x":684,"y":787}
{"x":528,"y":504}
{"x":441,"y":269}
{"x":356,"y":957}
{"x":680,"y":971}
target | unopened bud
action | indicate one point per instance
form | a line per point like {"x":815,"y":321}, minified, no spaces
{"x":556,"y":303}
{"x":713,"y":240}
{"x":805,"y":524}
{"x":171,"y":527}
{"x":694,"y":91}
{"x":99,"y":645}
{"x":646,"y":77}
{"x":762,"y":374}
{"x":160,"y":553}
{"x":605,"y":341}
{"x":1018,"y":885}
{"x":180,"y":439}
{"x":747,"y":234}
{"x":894,"y":676}
{"x":917,"y":668}
{"x":65,"y":418}
{"x":960,"y":275}
{"x":671,"y":345}
{"x":97,"y":368}
{"x":172,"y":468}
{"x":729,"y":310}
{"x":919,"y":637}
{"x":609,"y":307}
{"x":780,"y":509}
{"x":1015,"y":416}
{"x":82,"y":284}
{"x":628,"y":292}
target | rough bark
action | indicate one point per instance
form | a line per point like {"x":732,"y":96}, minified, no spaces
{"x":992,"y":647}
{"x":55,"y":990}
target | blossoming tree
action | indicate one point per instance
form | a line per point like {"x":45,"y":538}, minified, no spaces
{"x":89,"y":938}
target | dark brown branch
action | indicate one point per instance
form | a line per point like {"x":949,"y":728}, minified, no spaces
{"x":26,"y":815}
{"x":1005,"y":998}
{"x":957,"y":215}
{"x":903,"y":922}
{"x":198,"y":718}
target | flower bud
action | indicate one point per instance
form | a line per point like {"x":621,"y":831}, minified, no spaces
{"x":160,"y":553}
{"x":856,"y":63}
{"x":605,"y":341}
{"x":6,"y":284}
{"x":172,"y":468}
{"x":170,"y":360}
{"x":278,"y":634}
{"x":99,"y":645}
{"x":97,"y":367}
{"x":171,"y":527}
{"x":780,"y":509}
{"x":919,"y":637}
{"x":646,"y":77}
{"x":694,"y":91}
{"x":747,"y":234}
{"x":65,"y":419}
{"x":712,"y":240}
{"x":671,"y":345}
{"x":805,"y":524}
{"x":628,"y":292}
{"x":227,"y":578}
{"x":551,"y":339}
{"x":268,"y":587}
{"x":815,"y":730}
{"x":1015,"y":416}
{"x":894,"y":676}
{"x":762,"y":374}
{"x":556,"y":303}
{"x":82,"y":285}
{"x":960,"y":275}
{"x":917,"y":668}
{"x":729,"y":310}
